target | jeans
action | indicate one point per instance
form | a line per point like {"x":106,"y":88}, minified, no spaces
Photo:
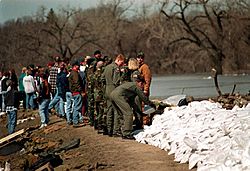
{"x":12,"y":118}
{"x":30,"y":101}
{"x":58,"y":103}
{"x":69,"y":106}
{"x":77,"y":108}
{"x":44,"y":111}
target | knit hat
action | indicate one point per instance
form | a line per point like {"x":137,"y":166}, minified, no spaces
{"x":97,"y":52}
{"x":76,"y":63}
{"x":140,"y":54}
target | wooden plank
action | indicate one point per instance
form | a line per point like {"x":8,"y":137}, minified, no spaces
{"x":12,"y":136}
{"x":47,"y":167}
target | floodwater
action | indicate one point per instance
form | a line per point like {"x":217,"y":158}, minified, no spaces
{"x":198,"y":85}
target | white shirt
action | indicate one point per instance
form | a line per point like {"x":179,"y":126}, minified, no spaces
{"x":29,"y":84}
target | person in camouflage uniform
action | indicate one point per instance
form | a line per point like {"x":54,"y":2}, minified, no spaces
{"x":107,"y":60}
{"x":90,"y":72}
{"x":90,"y":91}
{"x":99,"y":97}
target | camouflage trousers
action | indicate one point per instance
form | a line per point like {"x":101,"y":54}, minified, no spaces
{"x":100,"y":116}
{"x":91,"y":107}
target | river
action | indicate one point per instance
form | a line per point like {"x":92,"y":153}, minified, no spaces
{"x":197,"y":85}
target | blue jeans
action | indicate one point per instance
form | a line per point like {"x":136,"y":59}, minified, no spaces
{"x":30,"y":101}
{"x":12,"y":117}
{"x":58,"y":103}
{"x":69,"y":103}
{"x":77,"y":108}
{"x":44,"y":111}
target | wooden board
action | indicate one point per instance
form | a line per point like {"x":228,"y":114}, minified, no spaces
{"x":9,"y":137}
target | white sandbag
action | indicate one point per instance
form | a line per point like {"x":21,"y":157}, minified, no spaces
{"x":203,"y":134}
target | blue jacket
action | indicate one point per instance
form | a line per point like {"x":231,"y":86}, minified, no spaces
{"x":62,"y":84}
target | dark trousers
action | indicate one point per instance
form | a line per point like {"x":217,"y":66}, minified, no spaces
{"x":22,"y":97}
{"x":1,"y":102}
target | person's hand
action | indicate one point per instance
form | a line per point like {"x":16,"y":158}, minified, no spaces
{"x":122,"y":70}
{"x":153,"y":105}
{"x":83,"y":94}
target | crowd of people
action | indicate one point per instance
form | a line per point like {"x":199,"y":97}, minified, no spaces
{"x":109,"y":94}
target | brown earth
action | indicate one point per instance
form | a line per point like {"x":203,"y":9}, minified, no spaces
{"x":95,"y":152}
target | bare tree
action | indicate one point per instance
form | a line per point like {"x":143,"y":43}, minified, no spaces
{"x":238,"y":34}
{"x":110,"y":25}
{"x":190,"y":36}
{"x":66,"y":32}
{"x":202,"y":23}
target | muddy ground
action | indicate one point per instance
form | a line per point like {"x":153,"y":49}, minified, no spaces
{"x":95,"y":151}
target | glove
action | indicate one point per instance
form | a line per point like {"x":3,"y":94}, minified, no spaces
{"x":152,"y":105}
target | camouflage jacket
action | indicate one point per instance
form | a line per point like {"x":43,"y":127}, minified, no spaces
{"x":98,"y":84}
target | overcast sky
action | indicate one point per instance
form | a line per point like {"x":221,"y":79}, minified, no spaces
{"x":11,"y":9}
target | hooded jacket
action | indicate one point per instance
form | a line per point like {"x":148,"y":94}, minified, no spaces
{"x":146,"y":74}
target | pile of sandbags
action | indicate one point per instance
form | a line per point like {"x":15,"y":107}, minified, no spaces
{"x":204,"y":134}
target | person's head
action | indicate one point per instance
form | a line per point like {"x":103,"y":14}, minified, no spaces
{"x":139,"y":80}
{"x":43,"y":76}
{"x":98,"y":54}
{"x":119,"y":60}
{"x":99,"y":64}
{"x":76,"y":65}
{"x":36,"y":72}
{"x":89,"y":60}
{"x":31,"y":67}
{"x":140,"y":58}
{"x":62,"y":66}
{"x":66,"y":60}
{"x":133,"y":64}
{"x":24,"y":69}
{"x":29,"y":72}
{"x":50,"y":64}
{"x":57,"y":58}
{"x":41,"y":70}
{"x":6,"y":74}
{"x":12,"y":72}
{"x":107,"y":60}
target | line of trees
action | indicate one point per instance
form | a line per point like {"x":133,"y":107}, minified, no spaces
{"x":181,"y":36}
